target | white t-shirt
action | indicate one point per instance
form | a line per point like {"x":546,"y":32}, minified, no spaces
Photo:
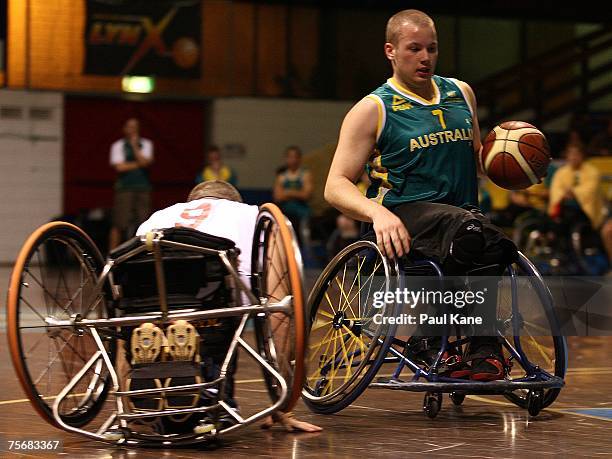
{"x":117,"y":152}
{"x":219,"y":217}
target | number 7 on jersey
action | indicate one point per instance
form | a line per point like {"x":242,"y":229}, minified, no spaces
{"x":440,"y":116}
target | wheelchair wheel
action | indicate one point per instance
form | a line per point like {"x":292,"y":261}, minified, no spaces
{"x":54,"y":276}
{"x":277,"y":272}
{"x":346,"y":346}
{"x":534,"y":329}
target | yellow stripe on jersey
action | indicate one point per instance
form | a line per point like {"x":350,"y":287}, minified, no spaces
{"x":381,"y":108}
{"x":434,"y":100}
{"x":378,"y":172}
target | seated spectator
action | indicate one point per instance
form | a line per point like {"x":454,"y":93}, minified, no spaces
{"x":601,"y":143}
{"x":214,"y":169}
{"x":574,"y":139}
{"x":293,"y":189}
{"x":575,"y":193}
{"x":533,"y":200}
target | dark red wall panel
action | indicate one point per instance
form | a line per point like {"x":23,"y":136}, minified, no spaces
{"x":93,"y":124}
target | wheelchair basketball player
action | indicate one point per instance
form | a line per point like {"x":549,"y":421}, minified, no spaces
{"x":214,"y":207}
{"x":418,"y":133}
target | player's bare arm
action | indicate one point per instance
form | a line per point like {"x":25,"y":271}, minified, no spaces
{"x":471,"y":100}
{"x":356,"y":143}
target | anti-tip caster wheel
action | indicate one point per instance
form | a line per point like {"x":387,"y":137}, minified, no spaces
{"x":535,"y":399}
{"x":457,"y":398}
{"x":432,"y":404}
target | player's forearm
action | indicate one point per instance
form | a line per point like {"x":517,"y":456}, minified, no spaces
{"x":341,"y":193}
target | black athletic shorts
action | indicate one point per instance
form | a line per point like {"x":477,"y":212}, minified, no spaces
{"x":433,"y":226}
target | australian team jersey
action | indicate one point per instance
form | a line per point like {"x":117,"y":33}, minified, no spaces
{"x":424,"y":149}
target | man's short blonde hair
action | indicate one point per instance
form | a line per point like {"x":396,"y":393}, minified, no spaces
{"x":215,"y":189}
{"x":396,"y":22}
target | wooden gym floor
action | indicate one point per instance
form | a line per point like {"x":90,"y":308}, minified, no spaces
{"x":380,"y":423}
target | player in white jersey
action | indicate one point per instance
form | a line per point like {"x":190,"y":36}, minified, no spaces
{"x":215,"y":207}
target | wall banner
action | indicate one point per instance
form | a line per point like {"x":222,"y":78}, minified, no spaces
{"x":143,"y":37}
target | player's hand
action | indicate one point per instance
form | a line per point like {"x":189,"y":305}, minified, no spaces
{"x":392,"y":237}
{"x":289,"y":423}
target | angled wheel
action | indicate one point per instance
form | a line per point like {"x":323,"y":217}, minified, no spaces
{"x":277,"y":273}
{"x":347,"y":344}
{"x":54,"y":276}
{"x":532,"y":330}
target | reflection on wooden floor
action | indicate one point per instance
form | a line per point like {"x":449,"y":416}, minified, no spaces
{"x":387,"y":423}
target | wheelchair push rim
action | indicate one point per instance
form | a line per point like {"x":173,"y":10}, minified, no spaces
{"x":538,"y":348}
{"x":277,"y":272}
{"x":39,"y":274}
{"x":357,"y":346}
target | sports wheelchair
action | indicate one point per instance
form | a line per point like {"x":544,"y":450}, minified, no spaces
{"x":347,"y":346}
{"x":572,"y":247}
{"x":69,"y":311}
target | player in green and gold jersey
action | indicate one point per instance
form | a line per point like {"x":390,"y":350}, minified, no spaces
{"x":419,"y":138}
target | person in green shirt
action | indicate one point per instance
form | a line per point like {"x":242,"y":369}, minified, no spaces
{"x":418,"y":134}
{"x":131,"y":157}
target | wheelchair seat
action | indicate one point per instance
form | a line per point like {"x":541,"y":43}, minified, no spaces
{"x":193,"y":279}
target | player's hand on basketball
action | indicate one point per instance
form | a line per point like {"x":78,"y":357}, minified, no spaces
{"x":289,"y":423}
{"x":392,"y":237}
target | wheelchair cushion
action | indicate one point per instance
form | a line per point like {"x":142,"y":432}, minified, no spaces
{"x":192,"y":279}
{"x":182,"y":235}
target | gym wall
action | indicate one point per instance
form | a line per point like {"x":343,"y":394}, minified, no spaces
{"x":263,"y":128}
{"x":31,"y":148}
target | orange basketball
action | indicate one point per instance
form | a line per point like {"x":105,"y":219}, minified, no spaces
{"x":185,"y":52}
{"x":515,"y":155}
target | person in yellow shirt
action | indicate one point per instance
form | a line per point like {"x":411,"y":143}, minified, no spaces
{"x":214,"y":169}
{"x":575,"y":192}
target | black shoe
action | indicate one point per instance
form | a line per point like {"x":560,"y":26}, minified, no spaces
{"x":487,"y":359}
{"x":424,"y":350}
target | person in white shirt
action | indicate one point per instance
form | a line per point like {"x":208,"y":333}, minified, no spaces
{"x":215,"y":207}
{"x":131,"y":157}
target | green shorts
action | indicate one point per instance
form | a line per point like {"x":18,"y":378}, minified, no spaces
{"x":131,"y":208}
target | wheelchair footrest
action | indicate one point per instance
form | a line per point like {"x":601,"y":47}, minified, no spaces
{"x":164,"y":374}
{"x":163,"y":370}
{"x":469,"y":387}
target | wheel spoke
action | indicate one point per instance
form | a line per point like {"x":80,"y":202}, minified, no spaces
{"x":46,"y":370}
{"x":319,"y":344}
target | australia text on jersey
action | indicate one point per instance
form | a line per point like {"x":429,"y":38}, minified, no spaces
{"x":440,"y":137}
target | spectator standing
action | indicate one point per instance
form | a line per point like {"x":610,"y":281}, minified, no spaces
{"x":131,"y":157}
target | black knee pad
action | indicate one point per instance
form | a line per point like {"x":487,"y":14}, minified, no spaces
{"x":503,"y":253}
{"x":468,"y":244}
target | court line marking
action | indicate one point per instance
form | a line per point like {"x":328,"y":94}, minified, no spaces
{"x":496,"y":402}
{"x":589,"y":370}
{"x":554,"y":410}
{"x":51,"y":397}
